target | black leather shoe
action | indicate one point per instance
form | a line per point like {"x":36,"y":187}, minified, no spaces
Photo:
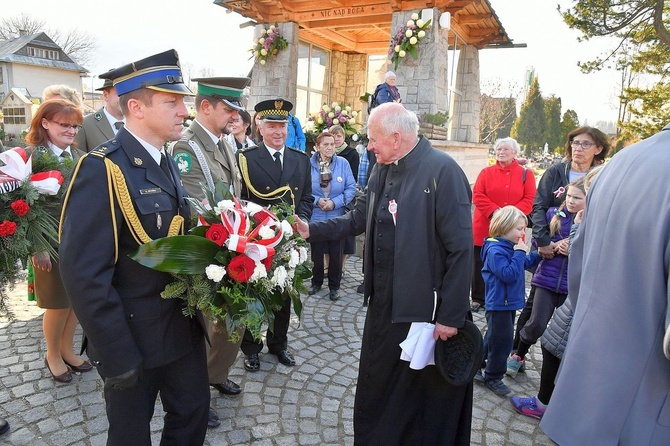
{"x":213,"y":419}
{"x":360,"y":288}
{"x":285,"y":358}
{"x":62,"y":378}
{"x":4,"y":426}
{"x":82,"y":368}
{"x":334,"y":295}
{"x":314,"y":289}
{"x":252,"y":363}
{"x":227,"y":388}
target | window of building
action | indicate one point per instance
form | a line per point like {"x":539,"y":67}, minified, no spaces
{"x":377,"y":67}
{"x":42,"y":53}
{"x":313,"y":80}
{"x":14,"y":115}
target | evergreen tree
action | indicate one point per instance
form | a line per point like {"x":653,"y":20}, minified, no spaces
{"x":552,"y":111}
{"x":569,"y":122}
{"x":530,"y":127}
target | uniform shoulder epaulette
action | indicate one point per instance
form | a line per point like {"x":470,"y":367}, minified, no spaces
{"x":297,"y":151}
{"x":105,"y":149}
{"x":250,"y":149}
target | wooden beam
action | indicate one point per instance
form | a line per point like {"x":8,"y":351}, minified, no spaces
{"x":465,"y":19}
{"x":363,"y":21}
{"x":342,"y":13}
{"x":482,"y":32}
{"x":336,"y":37}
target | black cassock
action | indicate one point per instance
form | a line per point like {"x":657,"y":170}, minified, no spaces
{"x":394,"y":404}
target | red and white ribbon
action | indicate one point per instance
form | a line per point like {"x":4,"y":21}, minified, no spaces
{"x":18,"y":168}
{"x":393,"y":209}
{"x":237,"y":223}
{"x":559,"y":192}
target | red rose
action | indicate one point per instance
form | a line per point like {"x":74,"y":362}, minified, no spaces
{"x":7,"y":228}
{"x":20,"y":207}
{"x":241,"y":268}
{"x":267,"y":262}
{"x":217,"y":233}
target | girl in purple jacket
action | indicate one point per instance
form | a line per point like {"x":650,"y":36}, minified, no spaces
{"x":551,"y":276}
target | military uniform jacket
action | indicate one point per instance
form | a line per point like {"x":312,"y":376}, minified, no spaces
{"x":95,"y":130}
{"x":262,"y":175}
{"x":116,"y":299}
{"x":221,"y":163}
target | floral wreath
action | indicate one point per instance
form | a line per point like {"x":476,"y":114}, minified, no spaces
{"x":237,"y":266}
{"x":268,"y":44}
{"x":335,"y":114}
{"x":30,"y":189}
{"x":407,"y":38}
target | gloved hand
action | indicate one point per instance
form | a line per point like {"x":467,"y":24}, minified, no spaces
{"x":124,"y":381}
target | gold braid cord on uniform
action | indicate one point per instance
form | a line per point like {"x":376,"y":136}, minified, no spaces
{"x":277,"y":193}
{"x":128,"y":210}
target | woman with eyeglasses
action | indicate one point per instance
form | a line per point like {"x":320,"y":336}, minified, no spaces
{"x":240,"y":130}
{"x":53,"y":128}
{"x":585,"y":148}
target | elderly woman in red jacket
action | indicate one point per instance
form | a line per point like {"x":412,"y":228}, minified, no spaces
{"x":504,"y":183}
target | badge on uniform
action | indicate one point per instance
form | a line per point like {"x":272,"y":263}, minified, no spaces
{"x":184,"y":162}
{"x":393,"y":209}
{"x":137,"y":161}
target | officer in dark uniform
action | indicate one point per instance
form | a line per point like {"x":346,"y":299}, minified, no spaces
{"x":126,"y":193}
{"x":102,"y":125}
{"x":271,"y":173}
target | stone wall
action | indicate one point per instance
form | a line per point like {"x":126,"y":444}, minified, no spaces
{"x":347,"y":78}
{"x":465,"y":126}
{"x":422,"y":83}
{"x":277,"y":78}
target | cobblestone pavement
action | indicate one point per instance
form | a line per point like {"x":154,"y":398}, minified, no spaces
{"x":309,"y":404}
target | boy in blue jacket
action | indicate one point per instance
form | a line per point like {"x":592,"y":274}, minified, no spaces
{"x":505,"y":259}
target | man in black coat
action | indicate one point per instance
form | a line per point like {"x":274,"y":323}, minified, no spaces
{"x":126,"y":193}
{"x":417,"y":219}
{"x":272,"y":173}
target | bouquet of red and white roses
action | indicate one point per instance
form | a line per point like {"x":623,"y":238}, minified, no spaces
{"x":30,"y":189}
{"x":237,"y":266}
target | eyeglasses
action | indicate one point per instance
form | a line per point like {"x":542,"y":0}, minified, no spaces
{"x":74,"y":127}
{"x":586,"y":145}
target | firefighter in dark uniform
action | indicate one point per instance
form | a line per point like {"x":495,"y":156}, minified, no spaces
{"x":272,"y":172}
{"x":123,"y":194}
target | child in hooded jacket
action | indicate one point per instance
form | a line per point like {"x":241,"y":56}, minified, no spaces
{"x":505,"y":259}
{"x":551,"y":278}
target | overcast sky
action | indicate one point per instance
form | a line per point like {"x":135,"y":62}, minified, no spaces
{"x":208,"y":38}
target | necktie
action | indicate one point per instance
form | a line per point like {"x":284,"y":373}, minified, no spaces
{"x":118,"y":125}
{"x":65,"y":154}
{"x":277,"y":156}
{"x":164,"y":166}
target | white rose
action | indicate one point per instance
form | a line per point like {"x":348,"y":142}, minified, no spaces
{"x":397,"y":48}
{"x":325,"y":108}
{"x":352,"y":121}
{"x":320,"y":121}
{"x":410,"y":23}
{"x":262,"y":61}
{"x":419,"y":23}
{"x":413,"y":40}
{"x":354,"y":137}
{"x":336,"y":121}
{"x":344,"y":113}
{"x":303,"y":254}
{"x":223,"y":206}
{"x":331,"y":115}
{"x":421,"y":34}
{"x":215,"y":272}
{"x":272,"y":27}
{"x":251,"y":208}
{"x":338,"y":108}
{"x":348,"y":108}
{"x":286,"y":227}
{"x":259,"y":273}
{"x":263,"y":31}
{"x":334,"y":104}
{"x":408,"y":33}
{"x":261,"y":40}
{"x":264,"y":52}
{"x":354,"y":113}
{"x":294,"y":260}
{"x":415,"y":16}
{"x":279,"y":277}
{"x":401,"y":53}
{"x":266,"y":232}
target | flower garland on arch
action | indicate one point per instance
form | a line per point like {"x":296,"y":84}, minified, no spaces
{"x":268,"y":44}
{"x":407,"y":38}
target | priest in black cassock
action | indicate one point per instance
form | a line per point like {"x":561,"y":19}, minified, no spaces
{"x":416,"y":215}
